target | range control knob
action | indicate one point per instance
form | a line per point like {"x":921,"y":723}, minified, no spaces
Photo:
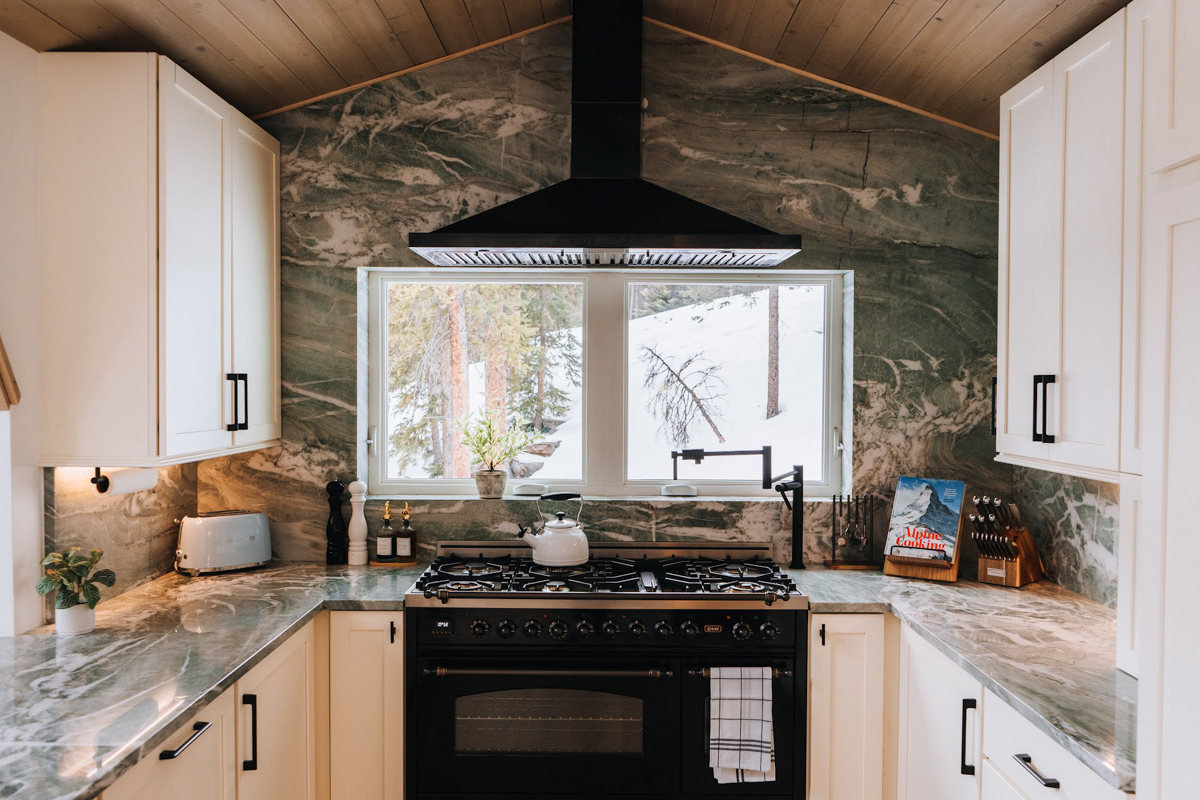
{"x":689,"y":629}
{"x":533,"y":629}
{"x":559,"y":629}
{"x":741,"y":631}
{"x":663,"y":629}
{"x":585,"y":629}
{"x":769,"y":630}
{"x":610,"y":629}
{"x":480,"y":628}
{"x":506,"y":629}
{"x":637,"y":629}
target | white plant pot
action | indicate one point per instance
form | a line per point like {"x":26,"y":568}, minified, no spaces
{"x":74,"y":620}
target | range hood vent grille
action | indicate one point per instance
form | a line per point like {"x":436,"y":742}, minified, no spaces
{"x":509,"y":257}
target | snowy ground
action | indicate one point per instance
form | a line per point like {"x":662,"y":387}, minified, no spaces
{"x":731,"y":332}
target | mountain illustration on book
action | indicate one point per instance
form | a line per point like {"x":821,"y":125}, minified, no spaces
{"x":925,"y":517}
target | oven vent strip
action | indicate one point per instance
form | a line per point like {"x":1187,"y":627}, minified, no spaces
{"x":448,"y":672}
{"x":631,"y":550}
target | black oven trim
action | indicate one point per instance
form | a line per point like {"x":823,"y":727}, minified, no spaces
{"x":799,"y":678}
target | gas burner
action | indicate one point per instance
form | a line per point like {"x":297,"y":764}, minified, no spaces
{"x":744,"y":587}
{"x":556,"y":586}
{"x":465,"y":586}
{"x":563,"y":573}
{"x":740,"y":570}
{"x":472,"y":569}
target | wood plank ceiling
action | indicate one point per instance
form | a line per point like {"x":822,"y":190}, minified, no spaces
{"x":952,"y":58}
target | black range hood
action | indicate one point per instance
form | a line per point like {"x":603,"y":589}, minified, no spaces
{"x":605,"y":214}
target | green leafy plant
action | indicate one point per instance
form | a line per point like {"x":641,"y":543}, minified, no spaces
{"x":490,"y":446}
{"x":70,"y":572}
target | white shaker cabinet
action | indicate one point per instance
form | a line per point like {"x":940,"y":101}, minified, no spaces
{"x":366,"y":675}
{"x":277,"y":723}
{"x":940,"y":725}
{"x":1061,"y":260}
{"x":197,"y":762}
{"x":160,"y":257}
{"x":846,"y":674}
{"x":1173,"y":94}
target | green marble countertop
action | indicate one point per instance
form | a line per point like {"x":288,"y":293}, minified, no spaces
{"x":80,"y":711}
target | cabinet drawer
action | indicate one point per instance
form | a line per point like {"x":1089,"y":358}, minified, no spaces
{"x":1007,"y":734}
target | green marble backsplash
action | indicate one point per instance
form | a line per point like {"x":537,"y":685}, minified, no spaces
{"x":908,"y":204}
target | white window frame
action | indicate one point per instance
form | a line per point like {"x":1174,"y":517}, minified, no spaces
{"x":606,"y":380}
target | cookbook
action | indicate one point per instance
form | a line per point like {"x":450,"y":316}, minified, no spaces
{"x":925,"y":519}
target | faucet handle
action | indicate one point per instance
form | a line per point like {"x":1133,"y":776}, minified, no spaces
{"x":783,"y":489}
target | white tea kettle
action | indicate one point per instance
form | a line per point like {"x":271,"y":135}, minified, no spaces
{"x":562,"y":543}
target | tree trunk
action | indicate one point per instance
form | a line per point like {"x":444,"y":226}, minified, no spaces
{"x":496,"y":381}
{"x":773,"y":352}
{"x":540,"y":407}
{"x":460,"y":404}
{"x":445,"y":429}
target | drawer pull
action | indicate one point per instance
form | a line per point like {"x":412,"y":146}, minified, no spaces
{"x":965,"y":768}
{"x":199,"y":728}
{"x":1026,"y":761}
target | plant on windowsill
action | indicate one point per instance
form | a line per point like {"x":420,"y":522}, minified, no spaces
{"x":70,"y":573}
{"x":492,"y":448}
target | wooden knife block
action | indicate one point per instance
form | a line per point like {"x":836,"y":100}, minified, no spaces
{"x":1014,"y":572}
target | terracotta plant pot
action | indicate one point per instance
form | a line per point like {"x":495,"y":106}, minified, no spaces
{"x":491,"y":482}
{"x":74,"y":620}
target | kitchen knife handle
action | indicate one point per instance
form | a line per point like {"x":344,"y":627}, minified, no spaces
{"x":1046,"y":381}
{"x":252,"y":701}
{"x":968,"y":704}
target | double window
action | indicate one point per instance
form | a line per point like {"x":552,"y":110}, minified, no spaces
{"x":608,"y":373}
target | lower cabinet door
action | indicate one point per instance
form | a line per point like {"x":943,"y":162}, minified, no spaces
{"x":939,"y":739}
{"x":846,"y":700}
{"x":277,"y":745}
{"x":366,"y":694}
{"x":197,"y":762}
{"x":996,"y":786}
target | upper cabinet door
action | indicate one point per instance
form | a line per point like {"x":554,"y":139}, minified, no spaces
{"x":255,"y":281}
{"x":1089,"y":84}
{"x":1173,"y":84}
{"x":1030,"y":281}
{"x":194,"y":274}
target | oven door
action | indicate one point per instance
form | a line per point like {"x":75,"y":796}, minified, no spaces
{"x":531,"y":726}
{"x":786,"y":716}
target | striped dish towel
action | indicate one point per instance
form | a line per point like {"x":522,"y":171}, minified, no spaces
{"x":741,"y":742}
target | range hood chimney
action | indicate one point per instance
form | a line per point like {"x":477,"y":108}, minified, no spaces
{"x":605,"y":214}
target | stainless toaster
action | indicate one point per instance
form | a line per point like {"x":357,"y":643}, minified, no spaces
{"x":217,"y":541}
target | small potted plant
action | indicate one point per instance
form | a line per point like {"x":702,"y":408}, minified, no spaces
{"x":70,"y":572}
{"x":492,"y":449}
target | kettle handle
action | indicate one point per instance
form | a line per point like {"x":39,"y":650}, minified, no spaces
{"x":561,"y":496}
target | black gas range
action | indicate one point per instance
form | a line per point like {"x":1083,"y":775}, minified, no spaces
{"x":592,"y":681}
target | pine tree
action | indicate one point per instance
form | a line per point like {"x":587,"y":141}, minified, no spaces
{"x":553,"y":363}
{"x":460,"y":403}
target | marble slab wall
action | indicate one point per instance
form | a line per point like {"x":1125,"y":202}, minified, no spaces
{"x":907,"y":203}
{"x":137,"y":532}
{"x":1074,"y":522}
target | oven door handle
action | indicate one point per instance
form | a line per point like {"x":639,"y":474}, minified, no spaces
{"x":448,"y":672}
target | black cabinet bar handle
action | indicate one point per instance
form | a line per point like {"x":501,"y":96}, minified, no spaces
{"x":1026,"y":761}
{"x":706,"y":672}
{"x":1037,"y":383}
{"x":822,"y":634}
{"x":1046,"y":381}
{"x":235,"y":425}
{"x":252,"y":701}
{"x":244,"y":423}
{"x":967,"y":769}
{"x":994,"y":406}
{"x":393,"y":624}
{"x":199,"y":728}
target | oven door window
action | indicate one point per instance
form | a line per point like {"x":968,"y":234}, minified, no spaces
{"x":527,"y":726}
{"x":548,"y":721}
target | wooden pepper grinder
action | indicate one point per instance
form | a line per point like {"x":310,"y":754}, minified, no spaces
{"x":335,"y":529}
